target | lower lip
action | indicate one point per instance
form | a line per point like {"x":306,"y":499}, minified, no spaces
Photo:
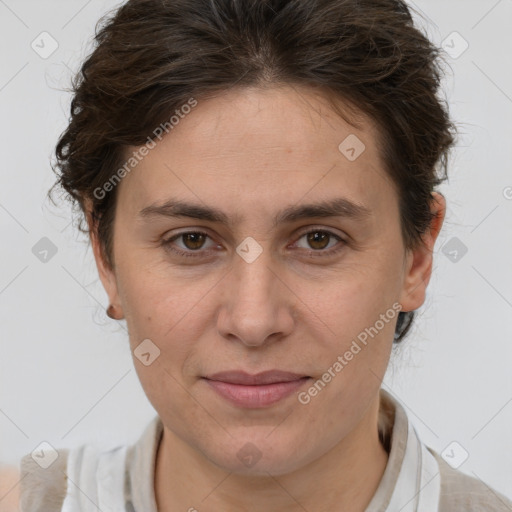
{"x":255,"y":396}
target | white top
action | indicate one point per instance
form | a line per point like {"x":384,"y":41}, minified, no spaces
{"x":416,"y":479}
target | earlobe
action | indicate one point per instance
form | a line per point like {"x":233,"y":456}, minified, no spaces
{"x":112,"y":313}
{"x":418,"y":269}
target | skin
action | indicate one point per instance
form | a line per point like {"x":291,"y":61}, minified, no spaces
{"x":9,"y":489}
{"x":287,"y":310}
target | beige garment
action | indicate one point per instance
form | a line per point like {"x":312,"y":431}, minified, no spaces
{"x":49,"y":490}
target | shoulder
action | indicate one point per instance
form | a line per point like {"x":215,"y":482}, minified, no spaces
{"x":464,"y":493}
{"x":41,"y":484}
{"x":73,"y":479}
{"x":9,"y":489}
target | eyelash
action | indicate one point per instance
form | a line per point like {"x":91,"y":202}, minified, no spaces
{"x":167,"y":244}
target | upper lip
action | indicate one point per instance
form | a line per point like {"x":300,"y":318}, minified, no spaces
{"x":268,"y":377}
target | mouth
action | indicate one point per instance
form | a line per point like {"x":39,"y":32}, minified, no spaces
{"x":244,"y":378}
{"x":255,"y":391}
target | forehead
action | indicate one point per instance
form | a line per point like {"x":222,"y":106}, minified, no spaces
{"x":261,"y":148}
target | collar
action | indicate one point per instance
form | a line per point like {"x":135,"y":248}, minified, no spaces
{"x":411,"y":481}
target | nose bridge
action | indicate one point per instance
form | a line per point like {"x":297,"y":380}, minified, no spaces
{"x":253,"y":308}
{"x":253,"y":276}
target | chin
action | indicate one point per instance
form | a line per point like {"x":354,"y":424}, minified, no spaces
{"x":259,"y":455}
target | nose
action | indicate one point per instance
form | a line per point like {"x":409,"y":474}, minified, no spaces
{"x":257,"y":306}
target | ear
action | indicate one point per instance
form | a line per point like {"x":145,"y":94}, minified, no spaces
{"x":418,"y":268}
{"x":105,"y":271}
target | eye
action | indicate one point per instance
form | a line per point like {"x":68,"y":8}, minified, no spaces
{"x":193,"y":241}
{"x":318,"y":240}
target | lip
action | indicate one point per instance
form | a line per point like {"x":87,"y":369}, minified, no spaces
{"x":268,"y":377}
{"x":255,"y":391}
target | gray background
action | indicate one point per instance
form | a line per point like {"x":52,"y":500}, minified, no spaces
{"x":66,"y":374}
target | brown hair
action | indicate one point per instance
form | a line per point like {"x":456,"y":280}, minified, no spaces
{"x":152,"y":56}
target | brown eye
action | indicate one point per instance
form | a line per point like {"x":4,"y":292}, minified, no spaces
{"x":187,"y":244}
{"x":318,"y":242}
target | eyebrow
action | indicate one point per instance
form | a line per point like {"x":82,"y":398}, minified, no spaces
{"x":337,"y":207}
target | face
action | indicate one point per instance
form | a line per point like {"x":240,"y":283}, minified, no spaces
{"x":265,"y":283}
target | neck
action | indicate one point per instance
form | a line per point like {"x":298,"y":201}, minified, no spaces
{"x":344,"y":478}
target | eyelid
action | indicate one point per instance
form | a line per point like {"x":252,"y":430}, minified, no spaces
{"x":323,"y":229}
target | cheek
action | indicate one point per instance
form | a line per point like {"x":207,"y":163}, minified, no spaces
{"x":150,"y":301}
{"x":356,"y":299}
{"x":171,"y":313}
{"x":360,"y":314}
{"x":353,"y":366}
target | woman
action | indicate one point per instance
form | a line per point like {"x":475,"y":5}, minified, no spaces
{"x":258,"y":181}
